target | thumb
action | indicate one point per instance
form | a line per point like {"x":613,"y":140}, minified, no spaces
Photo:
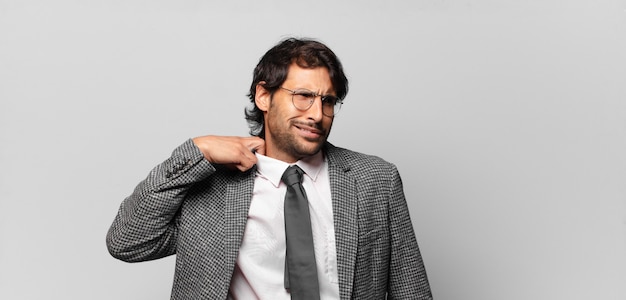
{"x":258,"y":146}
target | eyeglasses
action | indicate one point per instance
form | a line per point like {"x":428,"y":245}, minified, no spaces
{"x":303,"y":99}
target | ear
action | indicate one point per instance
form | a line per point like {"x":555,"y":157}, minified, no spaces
{"x":262,"y":97}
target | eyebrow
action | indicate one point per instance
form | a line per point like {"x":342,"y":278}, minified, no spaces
{"x":317,"y":94}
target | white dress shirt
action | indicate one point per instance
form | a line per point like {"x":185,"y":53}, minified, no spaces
{"x":260,"y":267}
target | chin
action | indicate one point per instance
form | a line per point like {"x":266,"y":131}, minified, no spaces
{"x":309,"y":149}
{"x":312,"y":150}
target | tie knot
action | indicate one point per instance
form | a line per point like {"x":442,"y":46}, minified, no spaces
{"x":292,"y":175}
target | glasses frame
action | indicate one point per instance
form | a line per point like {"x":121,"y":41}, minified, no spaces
{"x":324,"y":98}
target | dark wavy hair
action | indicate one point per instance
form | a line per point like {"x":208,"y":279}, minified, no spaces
{"x":274,"y":65}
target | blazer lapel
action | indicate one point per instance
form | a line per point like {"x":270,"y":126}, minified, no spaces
{"x":236,"y":205}
{"x":343,"y":192}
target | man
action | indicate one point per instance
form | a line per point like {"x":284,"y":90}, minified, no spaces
{"x":221,"y":204}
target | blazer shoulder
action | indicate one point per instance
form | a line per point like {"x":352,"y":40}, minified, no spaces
{"x":350,"y":159}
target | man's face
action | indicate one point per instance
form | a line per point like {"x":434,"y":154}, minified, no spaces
{"x":292,"y":134}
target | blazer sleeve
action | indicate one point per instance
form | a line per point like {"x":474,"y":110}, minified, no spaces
{"x":407,"y":278}
{"x":145,"y":227}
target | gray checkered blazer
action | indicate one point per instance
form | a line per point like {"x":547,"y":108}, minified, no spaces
{"x":189,"y":207}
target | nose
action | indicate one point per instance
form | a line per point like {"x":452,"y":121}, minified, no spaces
{"x":315,"y":111}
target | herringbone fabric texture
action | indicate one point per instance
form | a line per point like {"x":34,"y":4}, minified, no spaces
{"x":189,"y":207}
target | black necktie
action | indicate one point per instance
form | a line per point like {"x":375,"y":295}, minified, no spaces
{"x":300,"y":268}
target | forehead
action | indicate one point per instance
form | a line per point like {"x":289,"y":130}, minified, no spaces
{"x":315,"y":79}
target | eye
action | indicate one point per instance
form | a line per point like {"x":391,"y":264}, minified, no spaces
{"x":304,"y":96}
{"x":330,"y":100}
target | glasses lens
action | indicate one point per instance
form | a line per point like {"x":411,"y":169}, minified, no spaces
{"x":336,"y":108}
{"x":330,"y":105}
{"x":303,"y":100}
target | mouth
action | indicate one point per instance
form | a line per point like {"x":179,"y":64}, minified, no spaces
{"x":309,"y":131}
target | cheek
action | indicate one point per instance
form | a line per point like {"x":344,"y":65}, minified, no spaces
{"x":328,"y":120}
{"x":327,"y":123}
{"x":281,"y":108}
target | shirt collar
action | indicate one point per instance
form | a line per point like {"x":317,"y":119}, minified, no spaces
{"x":273,"y":169}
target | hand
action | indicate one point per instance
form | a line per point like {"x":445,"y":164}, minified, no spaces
{"x":231,"y":151}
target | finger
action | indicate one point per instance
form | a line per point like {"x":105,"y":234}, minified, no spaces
{"x":260,"y":149}
{"x":245,"y":165}
{"x":247,"y":160}
{"x":257,"y":145}
{"x":242,"y":168}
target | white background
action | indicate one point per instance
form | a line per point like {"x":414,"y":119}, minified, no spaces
{"x":507,"y":120}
